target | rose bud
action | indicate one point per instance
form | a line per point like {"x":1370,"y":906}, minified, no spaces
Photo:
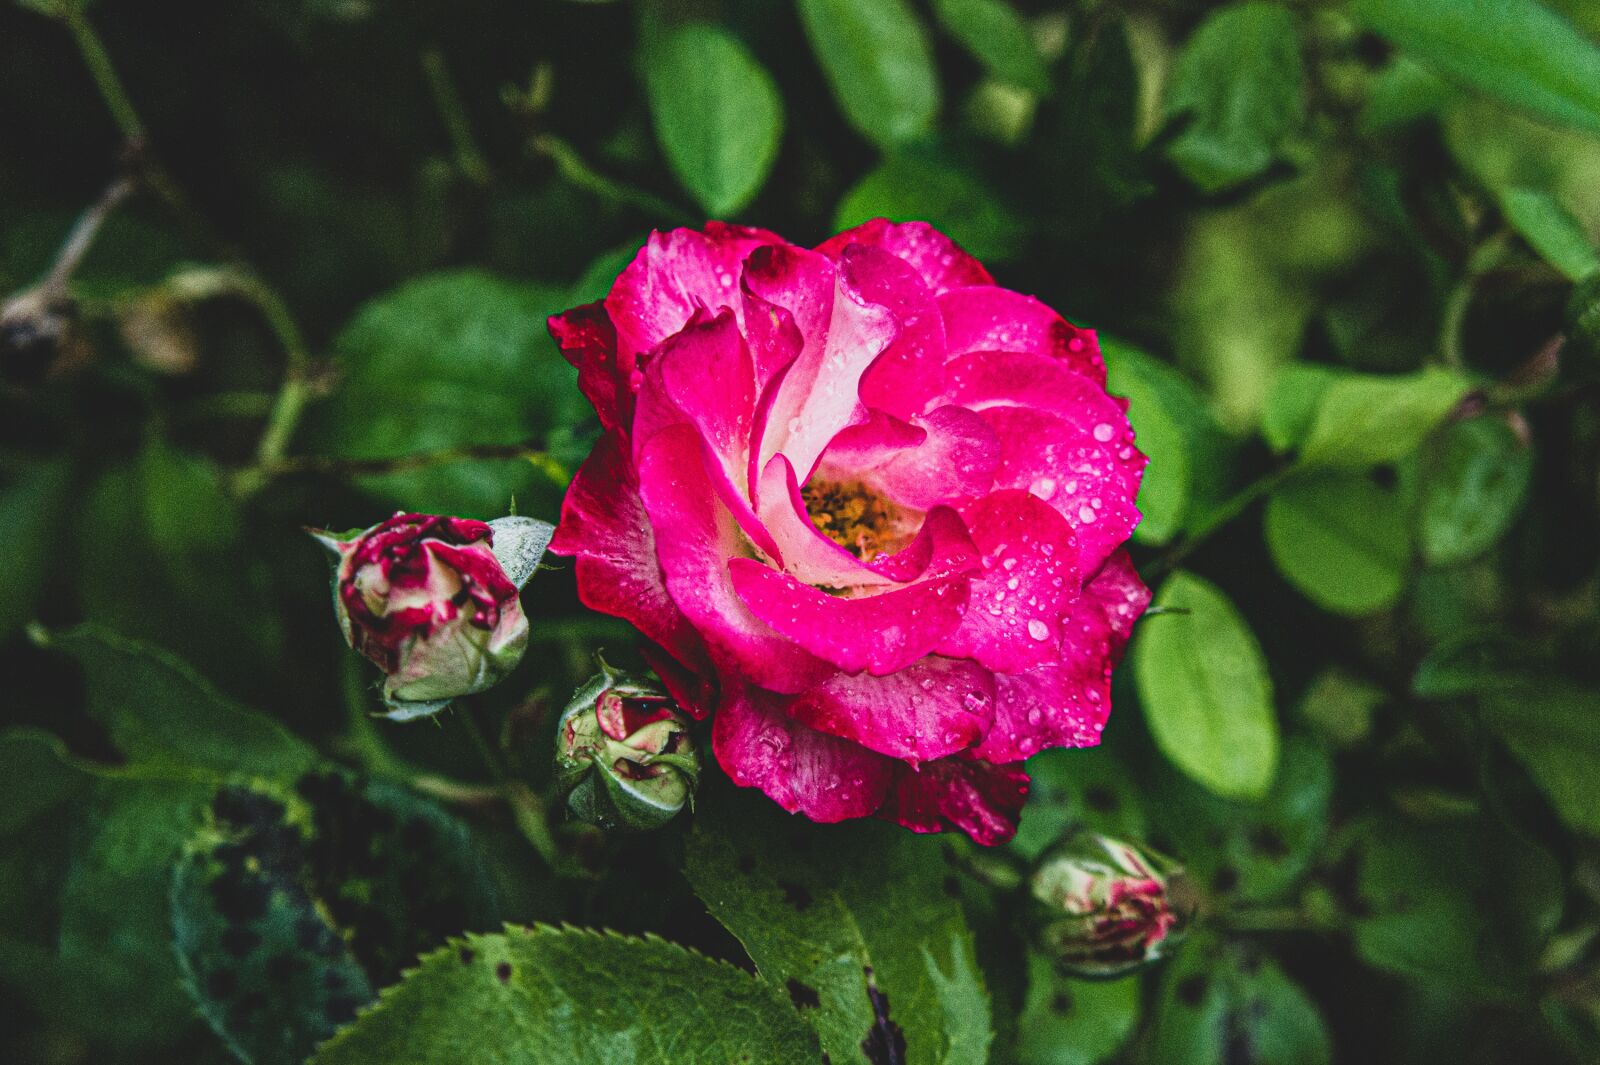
{"x":431,"y":601}
{"x":1102,"y":908}
{"x":624,"y":756}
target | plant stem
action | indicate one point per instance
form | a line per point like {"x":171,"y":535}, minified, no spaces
{"x":470,"y":159}
{"x":572,"y":167}
{"x":1218,"y":517}
{"x":526,"y":807}
{"x":83,"y":235}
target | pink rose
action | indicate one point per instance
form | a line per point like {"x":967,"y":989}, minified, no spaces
{"x":426,"y":599}
{"x":871,"y":500}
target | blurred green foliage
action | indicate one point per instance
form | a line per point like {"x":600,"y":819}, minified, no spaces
{"x":1344,"y":259}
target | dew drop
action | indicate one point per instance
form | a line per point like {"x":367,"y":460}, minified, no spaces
{"x":1086,"y":514}
{"x":1103,"y":432}
{"x":1038,"y":629}
{"x":1043,"y":487}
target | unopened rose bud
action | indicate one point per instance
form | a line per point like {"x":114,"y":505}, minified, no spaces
{"x":1102,"y":907}
{"x":624,"y":756}
{"x":433,"y":602}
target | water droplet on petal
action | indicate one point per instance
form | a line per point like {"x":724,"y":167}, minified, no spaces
{"x":1103,"y":432}
{"x":1038,"y":629}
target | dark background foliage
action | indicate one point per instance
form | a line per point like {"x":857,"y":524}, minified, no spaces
{"x":1344,"y":259}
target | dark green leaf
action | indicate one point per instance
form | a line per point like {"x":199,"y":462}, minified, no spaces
{"x":1472,"y":490}
{"x":1365,"y":420}
{"x":164,"y":716}
{"x":450,"y":361}
{"x":1517,"y":51}
{"x":998,"y":37}
{"x":1072,"y":788}
{"x":1074,"y":1022}
{"x":31,"y":503}
{"x":1225,"y":1005}
{"x":833,"y":912}
{"x":1341,"y":539}
{"x":717,"y":114}
{"x":1251,"y":852}
{"x":34,"y":777}
{"x":1238,"y":84}
{"x":1553,"y":727}
{"x":907,"y":188}
{"x":1205,"y":689}
{"x":878,"y":61}
{"x":545,"y":996}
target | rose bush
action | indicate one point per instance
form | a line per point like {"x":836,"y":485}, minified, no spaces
{"x":870,"y":505}
{"x":425,"y":599}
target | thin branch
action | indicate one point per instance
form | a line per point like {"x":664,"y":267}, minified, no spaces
{"x":470,"y":159}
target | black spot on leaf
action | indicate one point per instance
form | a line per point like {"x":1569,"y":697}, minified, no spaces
{"x":804,"y":996}
{"x":885,"y":1043}
{"x":1061,"y":1003}
{"x":795,"y":895}
{"x":1192,"y":991}
{"x":502,"y":972}
{"x":468,"y":955}
{"x":1101,"y":799}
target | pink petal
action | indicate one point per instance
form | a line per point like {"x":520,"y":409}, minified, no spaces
{"x":604,"y":523}
{"x":696,"y":536}
{"x":938,"y":259}
{"x":675,"y":274}
{"x":695,"y":694}
{"x":588,"y":340}
{"x":1065,"y":703}
{"x":799,"y":768}
{"x":1030,"y":576}
{"x":997,"y":319}
{"x":932,"y":708}
{"x":947,"y":456}
{"x":965,"y":794}
{"x":1061,"y":438}
{"x":788,"y":302}
{"x":803,"y":551}
{"x":910,"y":373}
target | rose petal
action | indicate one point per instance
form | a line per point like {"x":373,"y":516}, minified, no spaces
{"x":947,"y":456}
{"x":799,"y":768}
{"x":910,"y":373}
{"x":997,"y":319}
{"x":932,"y":708}
{"x":940,"y":261}
{"x":696,"y":536}
{"x":975,"y":797}
{"x":588,"y":341}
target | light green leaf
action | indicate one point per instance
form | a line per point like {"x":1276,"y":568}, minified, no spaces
{"x":1473,"y":487}
{"x":446,"y":361}
{"x":1292,"y":402}
{"x":164,"y":716}
{"x":546,"y":996}
{"x":31,"y":502}
{"x":1517,"y":51}
{"x":1238,"y":81}
{"x":831,"y":911}
{"x":717,"y":114}
{"x":1074,"y":1022}
{"x":1552,"y":230}
{"x":878,"y":61}
{"x":999,"y":38}
{"x":1174,"y":426}
{"x":1368,"y":420}
{"x":1340,"y":706}
{"x":908,"y":188}
{"x":1402,"y":93}
{"x":1342,"y":540}
{"x":1223,"y":1003}
{"x":1205,"y":690}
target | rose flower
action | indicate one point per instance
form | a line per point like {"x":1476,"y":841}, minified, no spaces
{"x":871,"y":500}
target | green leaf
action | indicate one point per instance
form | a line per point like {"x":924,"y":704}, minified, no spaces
{"x":1340,"y":706}
{"x":1189,"y":453}
{"x":1517,"y":51}
{"x":165,"y":717}
{"x":1250,"y":852}
{"x":999,"y":38}
{"x":1555,"y":234}
{"x":448,"y":361}
{"x":1403,"y":92}
{"x":1368,"y":420}
{"x":1292,"y":402}
{"x":1087,"y":787}
{"x":1238,"y":81}
{"x":1465,"y":905}
{"x":1553,"y":727}
{"x":187,"y":509}
{"x":832,"y":912}
{"x":1205,"y":689}
{"x":35,"y":776}
{"x":1223,"y":1004}
{"x":879,"y":63}
{"x":1473,"y":487}
{"x":290,"y":906}
{"x":546,"y":996}
{"x":910,"y":188}
{"x":31,"y":504}
{"x":1341,"y":539}
{"x":1470,"y":664}
{"x":717,"y":114}
{"x":1073,"y":1022}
